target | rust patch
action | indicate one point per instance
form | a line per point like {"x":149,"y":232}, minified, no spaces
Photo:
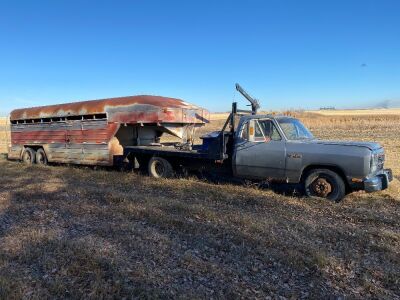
{"x":123,"y":110}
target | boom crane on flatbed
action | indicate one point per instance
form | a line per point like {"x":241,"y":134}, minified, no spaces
{"x":255,"y":105}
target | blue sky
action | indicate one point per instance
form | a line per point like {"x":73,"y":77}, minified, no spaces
{"x":289,"y":54}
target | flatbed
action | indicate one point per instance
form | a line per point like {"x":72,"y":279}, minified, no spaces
{"x":167,"y":151}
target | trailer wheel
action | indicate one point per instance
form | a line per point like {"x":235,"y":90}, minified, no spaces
{"x":41,"y":158}
{"x":160,"y":168}
{"x":29,"y":156}
{"x":324,"y":183}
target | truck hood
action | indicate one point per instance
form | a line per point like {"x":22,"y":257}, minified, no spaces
{"x":370,"y":145}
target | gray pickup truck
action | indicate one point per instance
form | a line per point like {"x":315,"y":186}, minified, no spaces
{"x":275,"y":149}
{"x":282,"y":148}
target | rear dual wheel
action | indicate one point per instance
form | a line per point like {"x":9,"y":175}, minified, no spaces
{"x":41,"y":158}
{"x":159,"y":167}
{"x":30,"y":156}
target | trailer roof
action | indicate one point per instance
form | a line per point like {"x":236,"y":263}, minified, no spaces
{"x":140,"y":105}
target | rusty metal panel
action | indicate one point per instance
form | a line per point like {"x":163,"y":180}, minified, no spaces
{"x":133,"y":109}
{"x":15,"y":151}
{"x":88,"y":154}
{"x":79,"y":141}
{"x":77,"y":130}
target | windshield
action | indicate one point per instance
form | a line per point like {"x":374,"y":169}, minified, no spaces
{"x":294,"y":129}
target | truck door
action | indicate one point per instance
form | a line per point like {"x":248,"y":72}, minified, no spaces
{"x":259,"y":151}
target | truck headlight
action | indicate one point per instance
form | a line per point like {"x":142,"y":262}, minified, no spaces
{"x":373,"y":166}
{"x":377,"y":161}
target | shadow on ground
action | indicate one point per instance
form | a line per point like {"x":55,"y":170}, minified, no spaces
{"x":75,"y":232}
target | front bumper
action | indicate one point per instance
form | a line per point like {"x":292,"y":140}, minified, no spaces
{"x":379,"y":182}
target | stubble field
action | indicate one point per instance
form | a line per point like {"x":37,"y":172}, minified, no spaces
{"x":78,"y":232}
{"x":4,"y":135}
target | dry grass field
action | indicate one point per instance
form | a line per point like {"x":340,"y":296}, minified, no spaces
{"x":83,"y":233}
{"x":4,"y":135}
{"x":359,"y":112}
{"x":384,"y":129}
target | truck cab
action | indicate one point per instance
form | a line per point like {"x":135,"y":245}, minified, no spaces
{"x":281,"y":148}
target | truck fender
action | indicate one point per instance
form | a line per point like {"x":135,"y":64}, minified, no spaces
{"x":333,"y":168}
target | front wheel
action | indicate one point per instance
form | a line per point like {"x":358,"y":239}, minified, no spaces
{"x":324,"y":183}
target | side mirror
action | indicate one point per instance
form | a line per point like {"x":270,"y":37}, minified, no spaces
{"x":252,"y":127}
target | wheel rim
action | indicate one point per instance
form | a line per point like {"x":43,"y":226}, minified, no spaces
{"x":41,"y":159}
{"x":159,"y":168}
{"x":321,"y":187}
{"x":27,"y":157}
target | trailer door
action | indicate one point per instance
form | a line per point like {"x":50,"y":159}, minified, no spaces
{"x":73,"y":141}
{"x":96,"y":134}
{"x":259,"y":151}
{"x":53,"y":135}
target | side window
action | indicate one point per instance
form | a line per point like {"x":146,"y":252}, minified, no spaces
{"x":259,"y":132}
{"x":267,"y":131}
{"x":290,"y":130}
{"x":244,"y":134}
{"x":275,"y":136}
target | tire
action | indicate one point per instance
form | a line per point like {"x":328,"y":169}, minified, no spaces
{"x":41,"y":158}
{"x":29,"y":156}
{"x":160,"y":168}
{"x":324,"y":183}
